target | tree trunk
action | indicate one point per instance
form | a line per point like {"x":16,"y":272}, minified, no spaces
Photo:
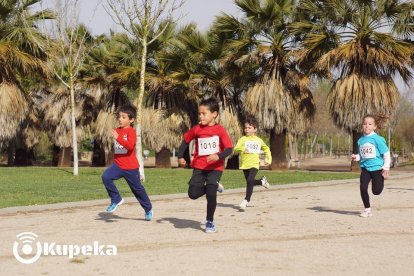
{"x":330,"y":146}
{"x":293,"y":151}
{"x":163,"y":158}
{"x":354,"y":164}
{"x":313,"y":145}
{"x":278,"y":150}
{"x":10,"y":153}
{"x":138,"y":128}
{"x":55,"y":157}
{"x":74,"y":137}
{"x":306,"y":146}
{"x":24,"y":157}
{"x":109,"y":157}
{"x":65,"y":157}
{"x":98,"y":157}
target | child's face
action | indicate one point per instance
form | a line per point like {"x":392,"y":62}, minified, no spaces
{"x":368,"y":125}
{"x":249,"y":130}
{"x":205,"y":116}
{"x":124,"y":120}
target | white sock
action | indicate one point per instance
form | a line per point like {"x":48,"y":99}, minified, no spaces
{"x":368,"y":210}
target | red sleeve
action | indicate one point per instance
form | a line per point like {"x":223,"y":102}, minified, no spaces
{"x":224,"y":137}
{"x":190,"y":135}
{"x":129,"y":144}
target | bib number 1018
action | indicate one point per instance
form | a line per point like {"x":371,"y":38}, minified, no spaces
{"x":207,"y":146}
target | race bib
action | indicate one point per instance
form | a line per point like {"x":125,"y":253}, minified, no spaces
{"x":207,"y":146}
{"x":252,"y":146}
{"x":118,"y":148}
{"x":368,"y":151}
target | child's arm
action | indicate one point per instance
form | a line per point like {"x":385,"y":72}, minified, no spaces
{"x":239,"y":148}
{"x":355,"y":157}
{"x":181,"y":150}
{"x":385,"y":152}
{"x":266,"y":149}
{"x":222,"y":155}
{"x":128,"y":144}
{"x":188,"y":136}
{"x":387,"y":162}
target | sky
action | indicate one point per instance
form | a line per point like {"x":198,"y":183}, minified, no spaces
{"x":201,"y":12}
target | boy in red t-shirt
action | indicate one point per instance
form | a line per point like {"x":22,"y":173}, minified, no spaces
{"x":212,"y":146}
{"x":125,"y":163}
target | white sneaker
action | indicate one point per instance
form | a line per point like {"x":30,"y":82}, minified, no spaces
{"x":220,"y":188}
{"x":265,"y":183}
{"x":243,"y":204}
{"x":366,"y":214}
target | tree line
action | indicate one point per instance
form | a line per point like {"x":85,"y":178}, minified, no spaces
{"x":264,"y":63}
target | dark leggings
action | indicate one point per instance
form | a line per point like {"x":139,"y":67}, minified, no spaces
{"x":377,"y":184}
{"x":204,"y":182}
{"x":250,"y":174}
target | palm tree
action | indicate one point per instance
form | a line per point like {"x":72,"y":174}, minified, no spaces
{"x":97,"y":75}
{"x":261,"y":37}
{"x":163,"y":130}
{"x":56,"y":120}
{"x":361,"y":45}
{"x":22,"y":54}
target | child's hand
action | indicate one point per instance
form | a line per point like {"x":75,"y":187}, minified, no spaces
{"x":181,"y":162}
{"x":212,"y":157}
{"x":353,"y":156}
{"x":246,"y":151}
{"x":385,"y":173}
{"x":115,"y":134}
{"x":267,"y":163}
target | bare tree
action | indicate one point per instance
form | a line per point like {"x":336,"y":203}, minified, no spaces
{"x":69,"y":47}
{"x":140,"y":19}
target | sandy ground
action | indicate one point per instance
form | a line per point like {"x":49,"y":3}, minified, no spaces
{"x":301,"y":229}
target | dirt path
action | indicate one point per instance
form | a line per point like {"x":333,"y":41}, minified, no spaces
{"x":297,"y":230}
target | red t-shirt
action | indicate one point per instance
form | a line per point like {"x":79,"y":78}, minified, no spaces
{"x":208,"y":140}
{"x":124,"y":148}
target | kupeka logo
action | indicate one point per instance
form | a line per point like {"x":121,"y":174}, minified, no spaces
{"x":28,"y":250}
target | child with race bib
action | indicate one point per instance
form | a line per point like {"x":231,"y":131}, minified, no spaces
{"x":249,"y":147}
{"x":374,"y":157}
{"x":212,"y":146}
{"x":125,"y":163}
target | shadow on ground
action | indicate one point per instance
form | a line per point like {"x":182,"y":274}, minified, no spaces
{"x":182,"y":223}
{"x":341,"y":212}
{"x":109,"y":217}
{"x":226,"y":205}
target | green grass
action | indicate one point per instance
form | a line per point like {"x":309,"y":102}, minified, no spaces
{"x":42,"y":185}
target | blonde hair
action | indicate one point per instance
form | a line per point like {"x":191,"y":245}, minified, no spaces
{"x":381,"y":120}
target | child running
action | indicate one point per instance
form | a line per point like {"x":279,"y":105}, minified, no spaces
{"x":212,"y":146}
{"x":125,"y":163}
{"x":249,"y":148}
{"x":374,"y":157}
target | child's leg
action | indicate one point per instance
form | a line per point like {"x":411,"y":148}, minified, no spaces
{"x":113,"y":172}
{"x":196,"y":187}
{"x":133,"y":179}
{"x":211,"y":193}
{"x":377,"y":182}
{"x":250,"y":174}
{"x":365,"y":178}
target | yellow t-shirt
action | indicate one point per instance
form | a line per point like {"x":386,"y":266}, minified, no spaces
{"x":254,"y":144}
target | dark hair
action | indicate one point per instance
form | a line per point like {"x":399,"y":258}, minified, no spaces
{"x":128,"y":109}
{"x":380,"y":120}
{"x":211,"y":103}
{"x":251,"y":121}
